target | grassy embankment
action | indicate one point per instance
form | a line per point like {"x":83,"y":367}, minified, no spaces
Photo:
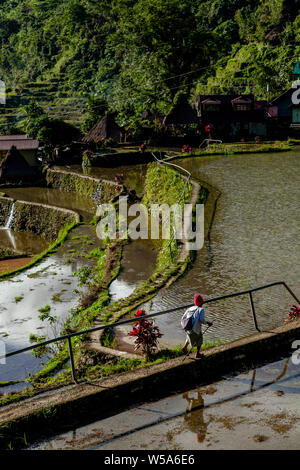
{"x":238,"y":148}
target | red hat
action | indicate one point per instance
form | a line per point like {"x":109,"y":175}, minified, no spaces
{"x":198,"y":300}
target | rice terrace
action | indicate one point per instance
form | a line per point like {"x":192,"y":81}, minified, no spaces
{"x":149,"y":227}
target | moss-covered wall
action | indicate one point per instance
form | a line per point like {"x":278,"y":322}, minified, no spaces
{"x":41,"y":219}
{"x":5,"y":207}
{"x":100,"y":190}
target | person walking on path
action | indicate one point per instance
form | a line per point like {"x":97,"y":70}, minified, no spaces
{"x":193,"y":328}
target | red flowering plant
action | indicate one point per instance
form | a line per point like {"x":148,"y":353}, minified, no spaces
{"x":146,"y":335}
{"x":186,"y":149}
{"x":86,"y":157}
{"x":119,"y":179}
{"x":294,"y":313}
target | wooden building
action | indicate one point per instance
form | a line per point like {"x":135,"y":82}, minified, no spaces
{"x":283,"y":112}
{"x":232,"y":116}
{"x":106,"y":128}
{"x":181,"y":114}
{"x":27,"y":147}
{"x":15,"y":168}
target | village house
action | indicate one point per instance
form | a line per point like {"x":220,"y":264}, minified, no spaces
{"x":232,"y":117}
{"x":284,"y":114}
{"x":239,"y":117}
{"x":105,"y":129}
{"x":26,"y":147}
{"x":14,"y":168}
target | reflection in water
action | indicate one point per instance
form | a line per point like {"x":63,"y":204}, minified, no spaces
{"x":22,"y":242}
{"x":195,"y":421}
{"x":138,"y":262}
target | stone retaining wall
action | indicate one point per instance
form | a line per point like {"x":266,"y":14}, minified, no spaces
{"x":99,"y":190}
{"x":41,"y":219}
{"x":5,"y":208}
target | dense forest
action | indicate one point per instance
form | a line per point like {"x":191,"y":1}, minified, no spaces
{"x":139,"y":55}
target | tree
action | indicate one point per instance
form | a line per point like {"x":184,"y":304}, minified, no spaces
{"x":96,"y":109}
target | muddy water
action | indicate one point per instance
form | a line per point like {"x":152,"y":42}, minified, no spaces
{"x":22,"y":242}
{"x":257,"y":409}
{"x":12,"y":264}
{"x":138,"y":263}
{"x":254,"y":241}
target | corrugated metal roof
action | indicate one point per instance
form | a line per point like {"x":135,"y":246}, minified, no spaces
{"x":14,"y":137}
{"x":21,"y":144}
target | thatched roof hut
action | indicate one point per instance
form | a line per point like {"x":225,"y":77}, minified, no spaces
{"x":107,"y":128}
{"x":15,"y":167}
{"x":181,"y":114}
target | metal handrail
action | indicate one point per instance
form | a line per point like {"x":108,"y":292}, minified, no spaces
{"x":150,"y":315}
{"x":182,"y":195}
{"x":210,"y":140}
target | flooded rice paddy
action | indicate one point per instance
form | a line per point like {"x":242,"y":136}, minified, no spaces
{"x":254,"y":240}
{"x":54,"y":281}
{"x":253,"y":217}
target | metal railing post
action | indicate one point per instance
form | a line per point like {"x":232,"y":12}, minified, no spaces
{"x":72,"y":360}
{"x":291,"y":292}
{"x":253,"y":311}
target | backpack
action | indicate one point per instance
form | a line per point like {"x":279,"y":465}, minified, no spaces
{"x":187,"y":320}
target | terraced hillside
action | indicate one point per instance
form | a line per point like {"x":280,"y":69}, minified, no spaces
{"x":65,"y":105}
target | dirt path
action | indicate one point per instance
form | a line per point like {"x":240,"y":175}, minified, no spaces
{"x":13,"y":263}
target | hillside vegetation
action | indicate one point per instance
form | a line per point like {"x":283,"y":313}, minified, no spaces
{"x":138,"y":54}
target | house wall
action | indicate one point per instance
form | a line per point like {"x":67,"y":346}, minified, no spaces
{"x":29,"y":155}
{"x":258,"y":128}
{"x":296,"y":115}
{"x":284,"y":106}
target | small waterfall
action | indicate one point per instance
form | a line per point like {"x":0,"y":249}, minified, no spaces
{"x":12,"y":239}
{"x":97,"y":195}
{"x":11,"y":216}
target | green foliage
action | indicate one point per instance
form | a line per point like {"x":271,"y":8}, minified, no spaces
{"x":96,"y":109}
{"x":50,"y":132}
{"x":132,"y":56}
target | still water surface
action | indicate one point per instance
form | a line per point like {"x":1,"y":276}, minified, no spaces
{"x":254,"y":241}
